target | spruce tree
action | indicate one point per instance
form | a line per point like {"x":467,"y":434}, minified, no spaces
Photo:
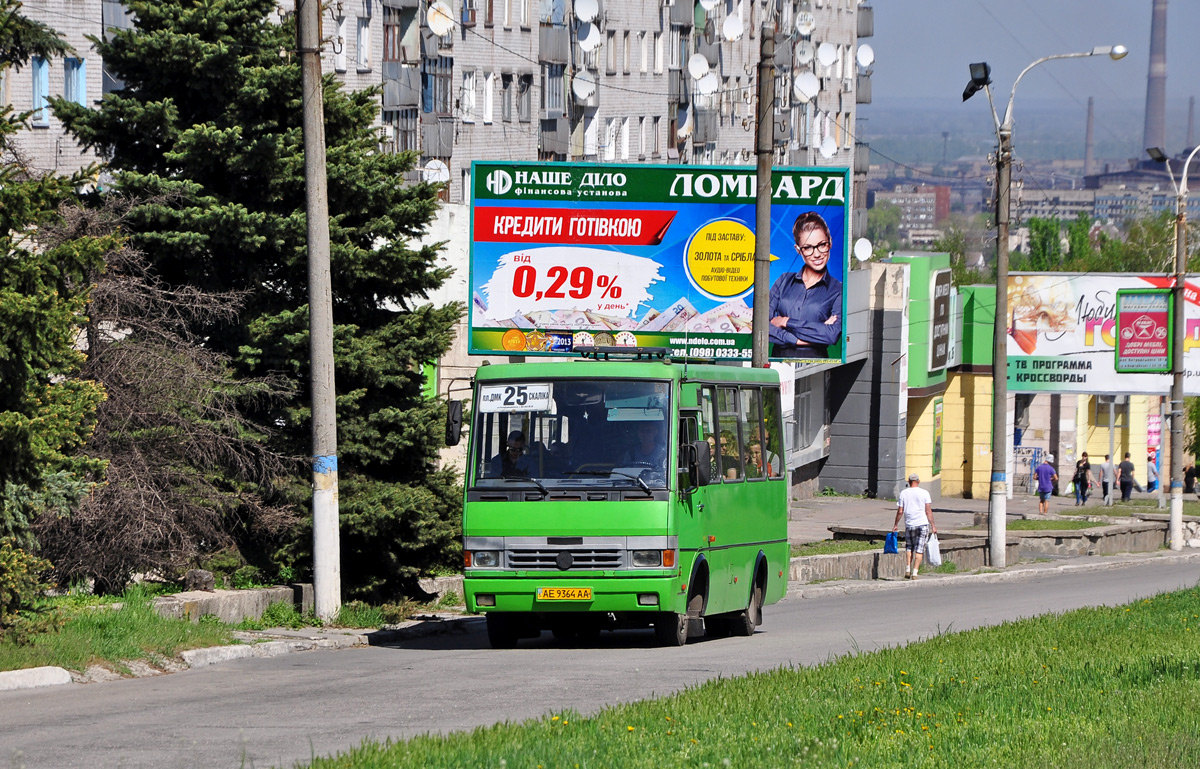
{"x":206,"y":132}
{"x":45,"y":413}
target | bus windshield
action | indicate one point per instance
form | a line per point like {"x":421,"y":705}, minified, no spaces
{"x":572,"y":433}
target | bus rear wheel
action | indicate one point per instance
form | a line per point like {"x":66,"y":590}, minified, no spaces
{"x":502,"y":631}
{"x":747,"y":619}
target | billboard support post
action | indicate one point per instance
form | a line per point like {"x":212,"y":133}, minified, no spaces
{"x":764,"y":148}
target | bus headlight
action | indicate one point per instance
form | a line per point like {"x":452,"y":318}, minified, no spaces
{"x":486,"y":559}
{"x":647,"y":558}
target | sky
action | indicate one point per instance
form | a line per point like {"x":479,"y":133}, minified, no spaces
{"x":922,"y":49}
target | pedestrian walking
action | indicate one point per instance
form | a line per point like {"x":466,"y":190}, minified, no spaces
{"x":1125,"y":478}
{"x":1046,"y":476}
{"x":1108,"y":480}
{"x":1151,"y":474}
{"x":915,"y":506}
{"x":1083,"y":480}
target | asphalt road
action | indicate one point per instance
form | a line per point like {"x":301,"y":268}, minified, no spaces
{"x":278,"y":711}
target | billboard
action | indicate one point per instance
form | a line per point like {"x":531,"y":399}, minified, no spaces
{"x":578,"y":255}
{"x":1062,"y":334}
{"x":1144,"y":324}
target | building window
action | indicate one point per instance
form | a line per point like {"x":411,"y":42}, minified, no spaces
{"x":75,"y":81}
{"x":506,"y":98}
{"x":489,"y":92}
{"x":403,"y":127}
{"x":610,"y":139}
{"x":41,"y":91}
{"x":610,"y":53}
{"x":468,"y":13}
{"x":523,"y":12}
{"x":625,"y":126}
{"x":658,"y":52}
{"x":339,"y":42}
{"x":362,"y":44}
{"x":435,"y":85}
{"x":655,"y":137}
{"x":625,"y":52}
{"x":641,"y":38}
{"x":467,"y":98}
{"x":489,"y":12}
{"x":553,"y":95}
{"x":525,"y":98}
{"x":675,"y":42}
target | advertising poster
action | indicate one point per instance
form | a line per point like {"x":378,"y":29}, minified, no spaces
{"x":1062,"y":334}
{"x":565,"y":256}
{"x":938,"y":414}
{"x":1144,"y":323}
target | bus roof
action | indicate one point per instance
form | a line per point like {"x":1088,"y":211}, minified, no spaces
{"x":620,"y":369}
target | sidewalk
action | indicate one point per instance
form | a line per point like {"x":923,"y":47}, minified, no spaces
{"x":810,"y":519}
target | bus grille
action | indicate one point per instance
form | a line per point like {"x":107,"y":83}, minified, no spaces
{"x":581,"y":558}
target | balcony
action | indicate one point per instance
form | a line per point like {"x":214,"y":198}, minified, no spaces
{"x":554,"y":43}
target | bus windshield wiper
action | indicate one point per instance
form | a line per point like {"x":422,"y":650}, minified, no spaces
{"x":545,"y":491}
{"x":609,"y":473}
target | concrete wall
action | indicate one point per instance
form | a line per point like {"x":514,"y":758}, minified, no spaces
{"x":868,"y":398}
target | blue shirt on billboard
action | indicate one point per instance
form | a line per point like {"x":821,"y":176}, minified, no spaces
{"x":807,"y":310}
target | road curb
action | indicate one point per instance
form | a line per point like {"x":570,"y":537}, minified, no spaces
{"x":33,"y":678}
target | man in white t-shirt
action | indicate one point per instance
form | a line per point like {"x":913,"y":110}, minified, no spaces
{"x":916,"y":507}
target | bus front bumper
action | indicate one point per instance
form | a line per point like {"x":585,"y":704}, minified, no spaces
{"x":578,"y":594}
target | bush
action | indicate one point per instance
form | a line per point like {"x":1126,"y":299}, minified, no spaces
{"x":22,"y":583}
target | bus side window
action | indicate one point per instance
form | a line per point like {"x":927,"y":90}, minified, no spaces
{"x":752,"y":434}
{"x":773,"y":430}
{"x":708,"y":431}
{"x":688,"y":432}
{"x":731,"y":447}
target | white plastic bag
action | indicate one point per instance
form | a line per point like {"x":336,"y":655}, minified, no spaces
{"x":933,"y":551}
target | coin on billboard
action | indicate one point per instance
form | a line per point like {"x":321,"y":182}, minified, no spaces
{"x":513,"y":340}
{"x":605,"y":339}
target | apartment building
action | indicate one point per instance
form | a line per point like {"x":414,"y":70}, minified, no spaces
{"x":607,"y":81}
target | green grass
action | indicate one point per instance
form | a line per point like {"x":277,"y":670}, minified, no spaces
{"x":1108,"y":688}
{"x":1031,"y":524}
{"x":835,"y":547}
{"x":95,"y":634}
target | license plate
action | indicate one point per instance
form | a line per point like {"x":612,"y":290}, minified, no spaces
{"x":564,"y":594}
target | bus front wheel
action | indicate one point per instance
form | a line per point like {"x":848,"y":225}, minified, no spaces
{"x":671,"y":629}
{"x":502,"y":631}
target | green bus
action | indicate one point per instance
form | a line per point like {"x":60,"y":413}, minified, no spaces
{"x":624,"y":490}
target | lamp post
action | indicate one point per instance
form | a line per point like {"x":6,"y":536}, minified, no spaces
{"x":1181,"y":195}
{"x":981,"y":80}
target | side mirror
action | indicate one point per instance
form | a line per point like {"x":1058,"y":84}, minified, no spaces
{"x":454,"y":417}
{"x":700,"y":466}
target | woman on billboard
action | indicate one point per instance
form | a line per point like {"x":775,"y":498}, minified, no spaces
{"x":806,"y":307}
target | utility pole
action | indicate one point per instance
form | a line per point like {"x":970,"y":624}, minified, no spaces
{"x":997,"y":521}
{"x":327,"y":567}
{"x":1175,"y":524}
{"x":764,"y":148}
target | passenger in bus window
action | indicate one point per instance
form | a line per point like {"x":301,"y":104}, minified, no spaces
{"x":508,"y":463}
{"x":805,"y":307}
{"x":756,"y":466}
{"x":729,"y":455}
{"x":714,"y":473}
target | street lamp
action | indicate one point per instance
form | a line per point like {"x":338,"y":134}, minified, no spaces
{"x":981,"y":80}
{"x":1181,"y":194}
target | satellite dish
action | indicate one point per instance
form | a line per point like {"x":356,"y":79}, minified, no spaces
{"x":804,"y":52}
{"x":583,"y":85}
{"x":436,"y":171}
{"x":866,"y":56}
{"x":805,"y":87}
{"x":708,"y":84}
{"x":440,"y":18}
{"x":708,"y":5}
{"x":732,"y":29}
{"x":698,"y":66}
{"x":805,"y":23}
{"x":828,"y":147}
{"x":590,"y":37}
{"x":826,"y":54}
{"x":685,"y":123}
{"x":587,"y":10}
{"x":863,"y":249}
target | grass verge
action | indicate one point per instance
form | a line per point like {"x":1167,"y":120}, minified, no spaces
{"x":96,"y":634}
{"x":835,"y":547}
{"x":1031,"y":524}
{"x":1087,"y":688}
